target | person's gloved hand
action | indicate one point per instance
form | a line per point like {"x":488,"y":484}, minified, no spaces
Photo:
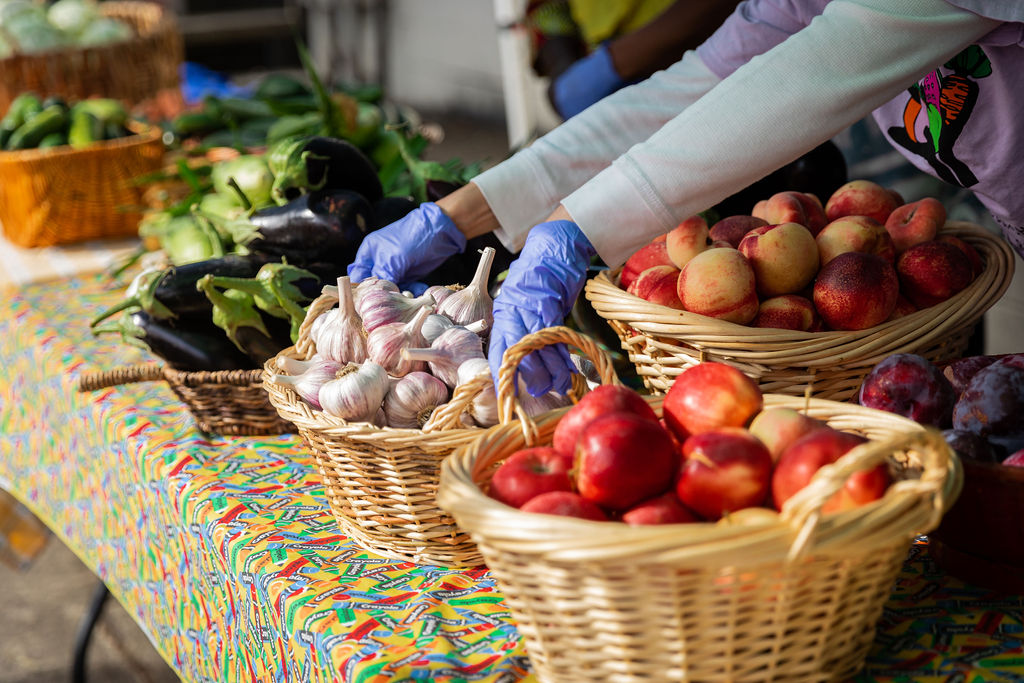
{"x":539,"y":291}
{"x":409,"y":248}
{"x":585,"y":82}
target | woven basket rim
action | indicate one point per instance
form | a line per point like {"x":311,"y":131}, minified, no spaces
{"x":143,"y":134}
{"x":162,"y":22}
{"x":603,"y":285}
{"x":566,"y":539}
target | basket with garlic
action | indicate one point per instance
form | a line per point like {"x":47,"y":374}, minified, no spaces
{"x":382,"y":387}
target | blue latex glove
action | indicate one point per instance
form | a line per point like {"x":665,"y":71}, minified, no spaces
{"x":585,"y":82}
{"x":539,"y":291}
{"x":409,"y":248}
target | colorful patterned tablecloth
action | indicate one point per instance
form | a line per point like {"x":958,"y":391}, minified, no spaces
{"x":225,"y":552}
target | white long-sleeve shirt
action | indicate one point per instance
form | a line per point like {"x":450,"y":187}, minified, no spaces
{"x":636,"y":163}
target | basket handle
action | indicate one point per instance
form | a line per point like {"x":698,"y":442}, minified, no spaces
{"x":449,"y":415}
{"x":939,"y":481}
{"x":509,"y":405}
{"x":143,"y":372}
{"x":323,"y":303}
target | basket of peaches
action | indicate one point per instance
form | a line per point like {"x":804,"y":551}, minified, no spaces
{"x":805,"y":297}
{"x":714,"y":533}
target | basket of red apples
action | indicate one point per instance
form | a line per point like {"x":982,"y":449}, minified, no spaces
{"x":712,"y":534}
{"x":978,"y":401}
{"x":804,"y":297}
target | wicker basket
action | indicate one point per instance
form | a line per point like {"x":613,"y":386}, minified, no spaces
{"x":226,"y":402}
{"x":63,"y":195}
{"x":381,"y":481}
{"x":662,"y":342}
{"x":134,"y":70}
{"x":793,"y":597}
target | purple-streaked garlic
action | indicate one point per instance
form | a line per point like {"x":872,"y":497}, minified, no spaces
{"x":436,"y":324}
{"x":454,"y":347}
{"x":308,"y":381}
{"x":372,"y":283}
{"x":474,"y":302}
{"x":484,"y":408}
{"x":412,"y":399}
{"x":384,"y":344}
{"x":381,"y":307}
{"x":338,"y":333}
{"x":439,"y":293}
{"x":356,"y":393}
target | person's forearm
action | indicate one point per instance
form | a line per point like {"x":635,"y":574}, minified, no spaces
{"x":469,"y":211}
{"x":662,"y":42}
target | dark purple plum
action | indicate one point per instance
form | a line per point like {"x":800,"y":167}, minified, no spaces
{"x":970,"y":446}
{"x":992,"y":404}
{"x":960,"y":371}
{"x":909,"y":385}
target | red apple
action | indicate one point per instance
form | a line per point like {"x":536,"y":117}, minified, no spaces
{"x":658,"y":285}
{"x":731,"y":229}
{"x":710,"y":395}
{"x":622,"y":459}
{"x":565,"y":504}
{"x":804,"y":457}
{"x":530,"y":472}
{"x":665,"y":509}
{"x":723,"y":470}
{"x":654,"y":254}
{"x":915,"y":223}
{"x":603,"y":400}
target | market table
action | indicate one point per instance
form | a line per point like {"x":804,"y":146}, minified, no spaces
{"x":225,"y":552}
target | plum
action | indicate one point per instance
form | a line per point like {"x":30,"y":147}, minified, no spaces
{"x":960,"y":371}
{"x":992,"y":404}
{"x":970,"y":446}
{"x":909,"y":385}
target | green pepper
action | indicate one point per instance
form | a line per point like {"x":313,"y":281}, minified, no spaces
{"x":86,"y":128}
{"x":106,"y":109}
{"x":50,"y":120}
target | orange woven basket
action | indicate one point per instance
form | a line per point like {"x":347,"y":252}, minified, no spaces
{"x":62,"y":195}
{"x":133,"y":70}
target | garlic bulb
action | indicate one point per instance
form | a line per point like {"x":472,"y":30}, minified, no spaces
{"x":455,"y":346}
{"x":356,"y":393}
{"x":439,"y":293}
{"x":380,"y":307}
{"x":384,"y":344}
{"x":338,"y":333}
{"x":538,"y":405}
{"x":412,"y":399}
{"x":484,"y":408}
{"x":307,"y":383}
{"x":436,"y":324}
{"x":372,"y":283}
{"x":474,"y":302}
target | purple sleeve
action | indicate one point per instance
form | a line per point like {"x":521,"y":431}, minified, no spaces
{"x":754,"y":28}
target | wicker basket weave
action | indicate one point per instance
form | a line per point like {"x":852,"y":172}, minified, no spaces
{"x":793,"y":597}
{"x":63,"y":195}
{"x":227,"y":402}
{"x":381,"y":481}
{"x":662,"y":342}
{"x":133,"y":70}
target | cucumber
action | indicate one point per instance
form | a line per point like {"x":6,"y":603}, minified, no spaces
{"x":276,"y":86}
{"x":50,"y":120}
{"x":243,"y":109}
{"x":105,"y":109}
{"x":57,"y":139}
{"x":195,"y":123}
{"x":86,"y":128}
{"x":24,"y":107}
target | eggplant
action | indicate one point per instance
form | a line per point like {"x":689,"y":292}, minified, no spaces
{"x":387,"y":210}
{"x":306,"y":164}
{"x":327,"y":224}
{"x":172,"y":293}
{"x":203,"y":348}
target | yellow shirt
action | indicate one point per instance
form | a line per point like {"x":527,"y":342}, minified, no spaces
{"x":599,"y":20}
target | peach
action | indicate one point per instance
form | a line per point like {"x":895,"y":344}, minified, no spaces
{"x":787,"y":312}
{"x":719,"y":283}
{"x":915,"y":223}
{"x":855,"y":291}
{"x":794,"y":207}
{"x":854,"y":233}
{"x":658,"y":285}
{"x":931,"y":272}
{"x":784,"y":257}
{"x":687,"y":239}
{"x":731,"y":229}
{"x":654,"y":254}
{"x":759,"y":210}
{"x":861,"y":198}
{"x":779,"y":427}
{"x":977,"y":265}
{"x":903,"y":308}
